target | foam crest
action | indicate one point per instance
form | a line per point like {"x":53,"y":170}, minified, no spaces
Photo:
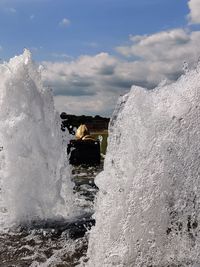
{"x":34,"y":172}
{"x":148,"y":206}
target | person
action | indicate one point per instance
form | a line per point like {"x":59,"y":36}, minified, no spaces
{"x":83,"y":133}
{"x":84,"y":149}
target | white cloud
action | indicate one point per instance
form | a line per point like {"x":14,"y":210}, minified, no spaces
{"x":92,"y":84}
{"x":65,"y":22}
{"x":166,"y":45}
{"x":85,"y":105}
{"x":83,"y":85}
{"x":194,"y":15}
{"x":11,"y":10}
{"x":163,"y":53}
{"x":32,"y":17}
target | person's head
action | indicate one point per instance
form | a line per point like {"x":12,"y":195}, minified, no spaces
{"x":82,"y":131}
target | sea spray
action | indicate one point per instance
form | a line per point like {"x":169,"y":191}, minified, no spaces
{"x":34,"y":172}
{"x":148,"y":205}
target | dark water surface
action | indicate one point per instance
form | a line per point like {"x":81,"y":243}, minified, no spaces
{"x":57,"y":243}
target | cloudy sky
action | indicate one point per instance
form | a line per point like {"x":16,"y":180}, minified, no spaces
{"x":94,"y":50}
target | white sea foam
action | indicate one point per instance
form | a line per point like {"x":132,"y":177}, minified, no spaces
{"x":148,"y":206}
{"x":34,"y":172}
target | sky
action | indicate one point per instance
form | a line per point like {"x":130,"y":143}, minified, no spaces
{"x":93,"y":51}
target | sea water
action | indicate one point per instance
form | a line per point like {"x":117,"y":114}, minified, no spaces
{"x":148,"y":205}
{"x":34,"y":172}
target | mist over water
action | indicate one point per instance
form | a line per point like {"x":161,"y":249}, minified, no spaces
{"x":148,"y":205}
{"x":34,"y":172}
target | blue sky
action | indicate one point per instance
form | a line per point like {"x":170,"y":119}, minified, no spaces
{"x":95,"y":25}
{"x":94,"y":50}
